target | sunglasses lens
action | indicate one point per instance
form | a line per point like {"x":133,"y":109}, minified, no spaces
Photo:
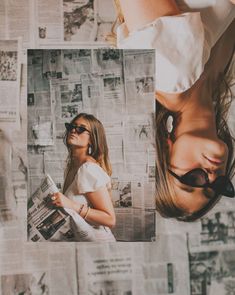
{"x":80,"y":129}
{"x":68,"y":127}
{"x":224,"y":186}
{"x":229,"y":190}
{"x":196,"y":177}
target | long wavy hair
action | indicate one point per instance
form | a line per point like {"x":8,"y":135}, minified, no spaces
{"x":165,"y":205}
{"x":98,"y":147}
{"x":111,"y":37}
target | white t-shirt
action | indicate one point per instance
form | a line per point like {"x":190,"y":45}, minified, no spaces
{"x":182,"y":42}
{"x":89,"y":178}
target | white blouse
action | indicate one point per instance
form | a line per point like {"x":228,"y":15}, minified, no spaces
{"x":182,"y":42}
{"x":89,"y":178}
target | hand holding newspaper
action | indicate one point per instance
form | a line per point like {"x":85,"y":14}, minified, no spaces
{"x":50,"y":223}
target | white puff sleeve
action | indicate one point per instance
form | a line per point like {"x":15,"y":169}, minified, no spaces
{"x":91,"y":177}
{"x":181,"y":49}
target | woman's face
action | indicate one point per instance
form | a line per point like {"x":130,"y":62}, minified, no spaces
{"x":189,"y":152}
{"x":81,"y":140}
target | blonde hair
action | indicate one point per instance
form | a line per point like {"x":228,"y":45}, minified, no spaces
{"x":112,"y":36}
{"x":99,"y":147}
{"x":165,"y":204}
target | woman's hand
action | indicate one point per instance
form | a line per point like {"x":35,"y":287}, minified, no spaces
{"x":60,"y":200}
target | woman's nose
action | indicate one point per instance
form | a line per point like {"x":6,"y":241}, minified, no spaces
{"x":213,"y":174}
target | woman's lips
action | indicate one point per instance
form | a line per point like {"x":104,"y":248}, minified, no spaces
{"x":215,"y":161}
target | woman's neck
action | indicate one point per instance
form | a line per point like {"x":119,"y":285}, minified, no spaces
{"x":78,"y":157}
{"x":197,"y":112}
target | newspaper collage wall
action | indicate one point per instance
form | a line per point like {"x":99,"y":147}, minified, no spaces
{"x":196,"y":259}
{"x":118,"y":88}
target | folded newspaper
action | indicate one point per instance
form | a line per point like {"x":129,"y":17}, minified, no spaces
{"x":49,"y":223}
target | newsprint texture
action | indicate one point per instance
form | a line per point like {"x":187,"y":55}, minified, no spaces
{"x":53,"y":23}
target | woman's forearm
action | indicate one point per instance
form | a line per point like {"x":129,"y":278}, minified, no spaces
{"x":105,"y":215}
{"x":138,"y":13}
{"x":98,"y":217}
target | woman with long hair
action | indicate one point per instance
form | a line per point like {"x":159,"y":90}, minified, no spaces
{"x":195,"y":149}
{"x":194,"y":161}
{"x":87,"y":186}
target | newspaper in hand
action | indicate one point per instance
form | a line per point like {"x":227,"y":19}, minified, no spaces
{"x":49,"y":223}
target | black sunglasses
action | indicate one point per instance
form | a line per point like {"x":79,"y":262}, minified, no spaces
{"x":79,"y":129}
{"x":222,"y":185}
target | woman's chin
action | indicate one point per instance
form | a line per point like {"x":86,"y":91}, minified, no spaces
{"x":70,"y":142}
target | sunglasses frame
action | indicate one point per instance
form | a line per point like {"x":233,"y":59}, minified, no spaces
{"x":79,"y":129}
{"x":213,"y":185}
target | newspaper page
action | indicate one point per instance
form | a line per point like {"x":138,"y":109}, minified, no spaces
{"x":114,"y":135}
{"x":29,"y":268}
{"x":18,"y":20}
{"x":42,"y":23}
{"x":142,"y":268}
{"x":84,"y":22}
{"x":211,"y":251}
{"x":40,"y":124}
{"x":2,"y":20}
{"x":13,"y":165}
{"x":139,"y":82}
{"x":44,"y":221}
{"x":7,"y":202}
{"x":134,"y":224}
{"x":15,"y":21}
{"x":9,"y":83}
{"x":80,"y":22}
{"x":27,"y":282}
{"x":212,"y":271}
{"x":48,"y":223}
{"x":49,"y":21}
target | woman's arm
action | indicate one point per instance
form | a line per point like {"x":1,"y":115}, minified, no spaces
{"x":138,"y":13}
{"x":102,"y":212}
